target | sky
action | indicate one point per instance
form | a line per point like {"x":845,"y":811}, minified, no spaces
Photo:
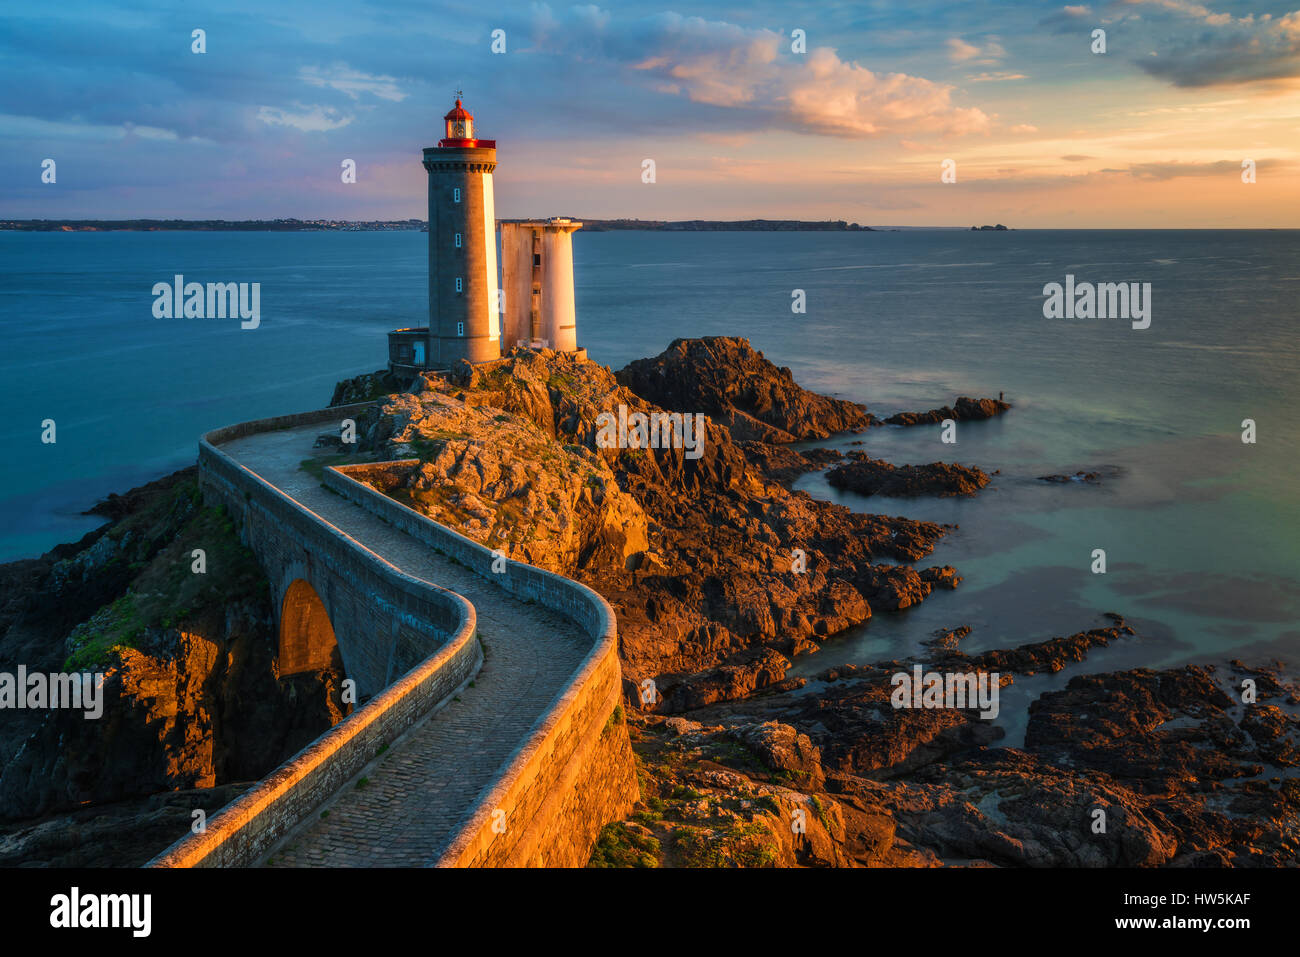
{"x":793,"y":110}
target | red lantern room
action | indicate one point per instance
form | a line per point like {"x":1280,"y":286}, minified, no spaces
{"x":460,"y":129}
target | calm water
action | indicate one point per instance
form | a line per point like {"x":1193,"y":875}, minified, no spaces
{"x":1200,"y":530}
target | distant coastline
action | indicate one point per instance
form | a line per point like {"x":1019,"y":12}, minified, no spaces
{"x":399,"y":225}
{"x":714,"y":225}
{"x":211,"y":225}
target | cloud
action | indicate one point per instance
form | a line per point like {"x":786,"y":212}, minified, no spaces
{"x":1187,"y":8}
{"x":1024,"y":128}
{"x":1234,"y":51}
{"x":1175,"y":170}
{"x":1067,"y":19}
{"x":995,"y":77}
{"x":754,"y":78}
{"x":352,"y":83}
{"x":959,"y":51}
{"x":1075,"y":158}
{"x":309,"y":119}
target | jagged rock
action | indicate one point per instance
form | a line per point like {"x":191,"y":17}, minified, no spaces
{"x":868,"y":476}
{"x":680,"y":726}
{"x":782,"y":464}
{"x":1089,"y":477}
{"x":964,"y":410}
{"x":1052,"y":655}
{"x":944,"y":640}
{"x":782,"y":748}
{"x":727,"y":379}
{"x":503,"y":480}
{"x":361,"y":388}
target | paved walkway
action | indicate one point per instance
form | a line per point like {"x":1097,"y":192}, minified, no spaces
{"x":423,"y":785}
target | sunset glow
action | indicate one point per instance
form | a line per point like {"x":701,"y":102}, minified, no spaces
{"x":1044,"y":131}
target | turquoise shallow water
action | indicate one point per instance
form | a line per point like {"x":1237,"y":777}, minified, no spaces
{"x":1200,"y":530}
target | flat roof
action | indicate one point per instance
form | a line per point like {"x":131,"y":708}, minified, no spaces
{"x":543,"y":223}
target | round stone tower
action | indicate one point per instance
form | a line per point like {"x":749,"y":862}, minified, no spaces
{"x":537,"y":275}
{"x":463,"y":312}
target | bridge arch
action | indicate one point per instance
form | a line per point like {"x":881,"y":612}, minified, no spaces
{"x":307,"y":640}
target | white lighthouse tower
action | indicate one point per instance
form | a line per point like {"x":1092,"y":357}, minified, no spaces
{"x":537,"y":277}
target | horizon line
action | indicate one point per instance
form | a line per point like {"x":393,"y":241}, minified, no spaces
{"x":862,"y":227}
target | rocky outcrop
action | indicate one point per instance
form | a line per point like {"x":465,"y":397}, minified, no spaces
{"x":732,"y":383}
{"x":943,"y":639}
{"x":362,"y":388}
{"x":1134,"y":769}
{"x":780,"y":463}
{"x":122,"y":834}
{"x":783,"y":749}
{"x":1092,"y":476}
{"x":502,"y":480}
{"x":868,"y":476}
{"x":719,"y":574}
{"x":964,"y":410}
{"x":1054,"y":654}
{"x":190,"y":695}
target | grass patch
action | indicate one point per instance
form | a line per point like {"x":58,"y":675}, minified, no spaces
{"x":743,"y":846}
{"x":620,"y":846}
{"x":615,"y":717}
{"x":819,"y":809}
{"x":168,"y":593}
{"x":109,"y":630}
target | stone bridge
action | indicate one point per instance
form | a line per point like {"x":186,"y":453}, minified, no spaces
{"x":489,"y":730}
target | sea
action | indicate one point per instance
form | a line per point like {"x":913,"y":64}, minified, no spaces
{"x":1200,"y":529}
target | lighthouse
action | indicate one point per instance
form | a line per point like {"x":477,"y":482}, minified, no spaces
{"x":537,"y":276}
{"x":464,"y":320}
{"x":465,"y":303}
